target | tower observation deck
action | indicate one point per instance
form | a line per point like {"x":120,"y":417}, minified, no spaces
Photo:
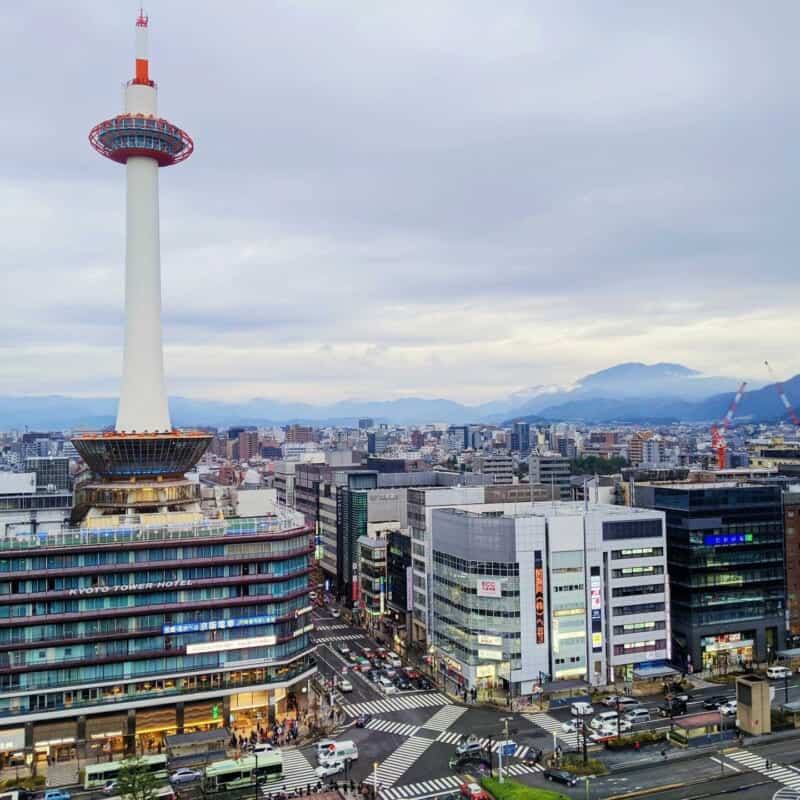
{"x":144,"y":445}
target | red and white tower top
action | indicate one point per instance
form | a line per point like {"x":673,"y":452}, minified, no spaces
{"x":142,"y":65}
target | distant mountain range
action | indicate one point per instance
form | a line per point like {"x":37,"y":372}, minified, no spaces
{"x":631,"y":392}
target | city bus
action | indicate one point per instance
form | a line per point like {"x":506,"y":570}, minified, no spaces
{"x":95,"y":776}
{"x":233,"y":773}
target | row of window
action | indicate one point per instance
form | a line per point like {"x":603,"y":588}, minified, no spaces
{"x":637,"y":552}
{"x":639,"y":608}
{"x":571,"y":587}
{"x":631,"y":648}
{"x":640,"y":627}
{"x":632,"y":572}
{"x":642,"y":588}
{"x":490,"y":568}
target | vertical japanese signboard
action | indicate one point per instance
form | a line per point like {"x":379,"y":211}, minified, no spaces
{"x":538,"y":585}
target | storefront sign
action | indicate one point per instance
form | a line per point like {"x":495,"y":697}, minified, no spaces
{"x":451,"y":664}
{"x":485,"y":671}
{"x":597,"y":642}
{"x":491,"y":655}
{"x":538,"y":582}
{"x":220,"y":624}
{"x":489,"y":588}
{"x":12,"y":739}
{"x":492,"y":641}
{"x":230,"y":644}
{"x":597,"y":605}
{"x":130,"y":587}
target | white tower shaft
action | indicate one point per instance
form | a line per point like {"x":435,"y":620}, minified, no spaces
{"x":143,"y":399}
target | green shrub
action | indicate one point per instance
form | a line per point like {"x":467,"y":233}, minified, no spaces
{"x":35,"y":782}
{"x":574,"y":763}
{"x":511,"y":790}
{"x":645,"y":737}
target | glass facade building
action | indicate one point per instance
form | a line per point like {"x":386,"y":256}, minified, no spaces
{"x":128,"y":634}
{"x":725,"y":552}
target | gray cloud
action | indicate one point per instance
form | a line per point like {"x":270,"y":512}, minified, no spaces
{"x":448,"y":198}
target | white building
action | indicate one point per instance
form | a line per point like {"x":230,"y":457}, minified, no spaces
{"x":555,"y":591}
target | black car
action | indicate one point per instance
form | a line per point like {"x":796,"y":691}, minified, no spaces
{"x":561,"y":776}
{"x":424,"y":684}
{"x":715,"y":701}
{"x":672,"y":708}
{"x":470,"y":762}
{"x":403,"y":684}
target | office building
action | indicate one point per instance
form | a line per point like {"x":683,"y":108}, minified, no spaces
{"x":791,"y":527}
{"x":551,"y":469}
{"x":365,"y":423}
{"x":371,"y":597}
{"x":248,"y":446}
{"x":376,"y":443}
{"x":521,"y":438}
{"x":399,"y":583}
{"x":554,"y":591}
{"x":52,"y":472}
{"x":636,"y":455}
{"x":299,"y":434}
{"x":726,"y":566}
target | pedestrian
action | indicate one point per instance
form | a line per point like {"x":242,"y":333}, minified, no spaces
{"x":636,"y":746}
{"x":664,"y":754}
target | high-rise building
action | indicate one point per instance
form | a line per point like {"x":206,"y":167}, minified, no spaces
{"x":521,"y":437}
{"x":499,"y":466}
{"x":50,"y":471}
{"x":376,"y":443}
{"x":366,"y":423}
{"x":299,"y":434}
{"x":636,"y":447}
{"x":726,"y":567}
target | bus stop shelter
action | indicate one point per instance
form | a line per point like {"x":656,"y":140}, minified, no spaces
{"x":695,"y":730}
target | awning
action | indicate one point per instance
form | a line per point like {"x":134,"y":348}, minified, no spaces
{"x":645,"y":673}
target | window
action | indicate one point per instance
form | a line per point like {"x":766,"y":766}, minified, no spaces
{"x":639,"y":627}
{"x":632,"y":529}
{"x":631,"y":572}
{"x":640,"y":608}
{"x":643,"y":588}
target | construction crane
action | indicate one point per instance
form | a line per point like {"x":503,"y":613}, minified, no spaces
{"x":782,"y":394}
{"x":718,"y":442}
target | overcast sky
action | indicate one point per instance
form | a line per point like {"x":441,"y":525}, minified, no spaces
{"x":432,"y":198}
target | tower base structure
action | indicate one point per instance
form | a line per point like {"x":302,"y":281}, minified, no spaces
{"x":138,"y":473}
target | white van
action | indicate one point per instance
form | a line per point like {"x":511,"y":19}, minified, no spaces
{"x":604,"y":718}
{"x":394,"y":660}
{"x":343,"y":751}
{"x":778,"y":672}
{"x":387,"y":686}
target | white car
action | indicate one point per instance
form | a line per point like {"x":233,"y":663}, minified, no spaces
{"x":571,"y":726}
{"x":185,"y":775}
{"x":581,"y":709}
{"x":778,"y":672}
{"x":335,"y":613}
{"x":329,"y":768}
{"x":345,"y":685}
{"x":611,"y":700}
{"x":728,"y":709}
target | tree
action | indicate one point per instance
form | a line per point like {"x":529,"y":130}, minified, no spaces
{"x":136,"y":781}
{"x":589,"y":465}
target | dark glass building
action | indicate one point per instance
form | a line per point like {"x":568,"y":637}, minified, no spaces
{"x":725,"y":555}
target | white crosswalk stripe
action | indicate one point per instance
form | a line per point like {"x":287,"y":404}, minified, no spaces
{"x":297,"y":771}
{"x":451,"y":737}
{"x":400,"y":761}
{"x":552,"y":725}
{"x":391,"y":704}
{"x":330,"y":627}
{"x":775,"y":772}
{"x":523,"y":769}
{"x":413,"y":791}
{"x":388,"y":726}
{"x":444,"y":718}
{"x":342,"y":637}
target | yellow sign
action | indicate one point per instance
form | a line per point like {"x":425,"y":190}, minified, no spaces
{"x":597,"y":640}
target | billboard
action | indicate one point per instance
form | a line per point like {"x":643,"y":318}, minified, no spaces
{"x":409,"y":589}
{"x":597,"y":605}
{"x":488,"y":587}
{"x":490,"y":655}
{"x":492,"y":641}
{"x":538,"y":582}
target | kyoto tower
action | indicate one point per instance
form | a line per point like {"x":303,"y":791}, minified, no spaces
{"x":144,"y":455}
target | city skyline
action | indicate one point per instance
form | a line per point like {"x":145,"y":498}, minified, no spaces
{"x":422,"y":192}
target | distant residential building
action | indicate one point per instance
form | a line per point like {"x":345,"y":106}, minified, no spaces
{"x":551,"y":469}
{"x":499,"y":466}
{"x":299,"y":434}
{"x":248,"y":445}
{"x":726,"y":567}
{"x":636,"y":447}
{"x":417,"y":439}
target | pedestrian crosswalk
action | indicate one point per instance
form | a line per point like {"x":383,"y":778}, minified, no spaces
{"x":297,"y":772}
{"x":444,"y":718}
{"x":388,"y":726}
{"x":552,"y":725}
{"x":342,"y":637}
{"x":388,"y":772}
{"x":390,"y":704}
{"x":421,"y":789}
{"x":451,"y":737}
{"x":776,"y":772}
{"x":334,"y":627}
{"x":434,"y":786}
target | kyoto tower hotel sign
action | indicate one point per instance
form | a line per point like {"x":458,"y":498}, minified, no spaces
{"x":144,"y":445}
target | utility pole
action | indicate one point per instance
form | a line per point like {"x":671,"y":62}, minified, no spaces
{"x":619,"y":719}
{"x":582,"y":721}
{"x":504,"y":720}
{"x":786,"y":687}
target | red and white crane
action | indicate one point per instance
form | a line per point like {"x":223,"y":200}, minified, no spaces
{"x":782,"y":394}
{"x":718,"y":442}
